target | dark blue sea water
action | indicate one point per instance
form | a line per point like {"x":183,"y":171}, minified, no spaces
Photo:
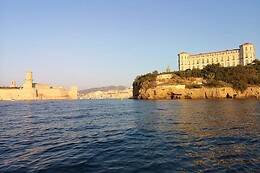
{"x":130,"y":136}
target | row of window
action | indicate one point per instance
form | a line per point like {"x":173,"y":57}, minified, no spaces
{"x":207,"y":61}
{"x":206,"y":55}
{"x":246,"y":55}
{"x":217,"y":59}
{"x":250,"y":48}
{"x":228,"y":64}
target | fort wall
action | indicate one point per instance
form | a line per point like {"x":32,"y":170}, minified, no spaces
{"x":35,"y":91}
{"x":18,"y":94}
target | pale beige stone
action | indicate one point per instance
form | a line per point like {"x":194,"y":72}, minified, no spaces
{"x":112,"y":94}
{"x":242,"y":56}
{"x":35,"y":91}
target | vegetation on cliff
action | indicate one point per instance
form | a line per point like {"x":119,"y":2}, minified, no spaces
{"x":149,"y":80}
{"x":239,"y":77}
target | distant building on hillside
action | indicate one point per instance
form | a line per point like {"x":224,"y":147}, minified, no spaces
{"x":111,"y":94}
{"x":227,"y":58}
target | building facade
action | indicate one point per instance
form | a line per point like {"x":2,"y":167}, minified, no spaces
{"x":227,"y":58}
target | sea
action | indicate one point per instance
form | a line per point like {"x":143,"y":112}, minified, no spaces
{"x":121,"y":136}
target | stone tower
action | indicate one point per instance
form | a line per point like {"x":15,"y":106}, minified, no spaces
{"x":246,"y":53}
{"x":13,"y":84}
{"x":183,"y":56}
{"x":28,"y":80}
{"x":73,"y":93}
{"x":168,"y":69}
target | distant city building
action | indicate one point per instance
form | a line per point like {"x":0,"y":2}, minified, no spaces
{"x":227,"y":58}
{"x":111,"y":94}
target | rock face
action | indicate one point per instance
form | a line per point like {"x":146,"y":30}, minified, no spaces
{"x":168,"y":86}
{"x":167,"y":92}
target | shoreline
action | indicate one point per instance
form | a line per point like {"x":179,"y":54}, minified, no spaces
{"x":171,"y":93}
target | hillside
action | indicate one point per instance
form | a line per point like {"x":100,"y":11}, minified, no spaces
{"x":212,"y":81}
{"x":108,"y":88}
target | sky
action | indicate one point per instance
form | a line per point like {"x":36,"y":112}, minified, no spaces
{"x":96,"y":43}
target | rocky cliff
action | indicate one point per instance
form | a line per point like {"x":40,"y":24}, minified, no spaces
{"x":167,"y":92}
{"x":173,"y":87}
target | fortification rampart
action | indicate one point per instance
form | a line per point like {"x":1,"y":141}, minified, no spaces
{"x":35,"y":91}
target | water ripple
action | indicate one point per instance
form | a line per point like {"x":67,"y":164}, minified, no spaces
{"x":130,"y":136}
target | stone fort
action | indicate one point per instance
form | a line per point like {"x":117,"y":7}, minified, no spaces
{"x":227,"y":58}
{"x":36,"y":91}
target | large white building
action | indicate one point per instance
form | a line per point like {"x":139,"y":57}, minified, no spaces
{"x":244,"y":55}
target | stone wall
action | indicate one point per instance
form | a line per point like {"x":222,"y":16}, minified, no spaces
{"x":17,"y":94}
{"x":38,"y":94}
{"x":45,"y":94}
{"x":36,"y":91}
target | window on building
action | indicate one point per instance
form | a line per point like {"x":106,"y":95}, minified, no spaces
{"x":228,"y":64}
{"x":222,"y":59}
{"x":202,"y":60}
{"x":246,"y":61}
{"x":207,"y":60}
{"x":233,"y":57}
{"x":250,"y":47}
{"x":228,"y":58}
{"x":246,"y":48}
{"x":198,"y":66}
{"x":217,"y":60}
{"x":198,"y":61}
{"x":234,"y":64}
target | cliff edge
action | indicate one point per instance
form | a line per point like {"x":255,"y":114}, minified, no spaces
{"x":211,"y":82}
{"x":171,"y":92}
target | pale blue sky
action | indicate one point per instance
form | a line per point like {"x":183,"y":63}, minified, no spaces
{"x":93,"y":43}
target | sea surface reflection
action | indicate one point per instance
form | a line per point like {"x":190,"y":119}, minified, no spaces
{"x":130,"y":136}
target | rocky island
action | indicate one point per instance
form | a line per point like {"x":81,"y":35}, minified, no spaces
{"x":213,"y":81}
